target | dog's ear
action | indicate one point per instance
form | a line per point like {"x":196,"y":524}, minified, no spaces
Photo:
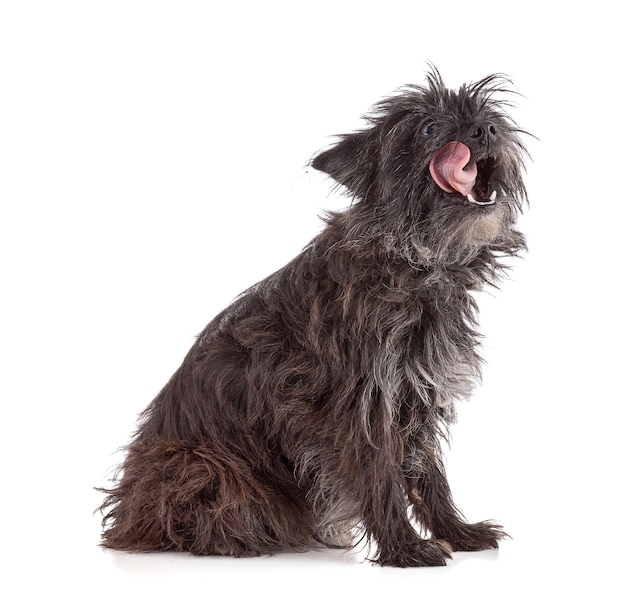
{"x":349,"y":162}
{"x":354,"y":162}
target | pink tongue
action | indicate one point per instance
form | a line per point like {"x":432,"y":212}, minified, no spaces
{"x":448,"y":168}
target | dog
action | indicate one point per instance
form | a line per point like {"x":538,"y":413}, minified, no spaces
{"x":311,"y":411}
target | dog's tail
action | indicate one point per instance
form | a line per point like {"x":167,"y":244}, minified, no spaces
{"x":178,"y":496}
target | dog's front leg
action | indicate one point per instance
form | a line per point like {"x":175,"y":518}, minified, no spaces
{"x":433,"y":507}
{"x":361,"y":484}
{"x":399,"y":545}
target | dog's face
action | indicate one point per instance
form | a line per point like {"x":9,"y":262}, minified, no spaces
{"x":448,"y":163}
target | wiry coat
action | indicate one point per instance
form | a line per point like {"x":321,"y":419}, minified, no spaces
{"x":314,"y":405}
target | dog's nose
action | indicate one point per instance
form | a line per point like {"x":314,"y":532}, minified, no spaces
{"x":484,"y":133}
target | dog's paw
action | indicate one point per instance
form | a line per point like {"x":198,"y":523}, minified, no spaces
{"x":420,"y":554}
{"x":476,"y":537}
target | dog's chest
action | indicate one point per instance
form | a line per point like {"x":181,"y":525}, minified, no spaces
{"x":429,"y":354}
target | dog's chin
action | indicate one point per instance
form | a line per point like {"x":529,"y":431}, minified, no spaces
{"x":459,"y":224}
{"x":484,"y":224}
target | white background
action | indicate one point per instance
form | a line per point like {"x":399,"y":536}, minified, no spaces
{"x":153,"y":164}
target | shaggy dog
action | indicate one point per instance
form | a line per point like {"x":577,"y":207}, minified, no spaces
{"x":311,"y":411}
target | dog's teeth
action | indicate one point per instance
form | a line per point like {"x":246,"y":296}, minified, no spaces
{"x":492,"y":199}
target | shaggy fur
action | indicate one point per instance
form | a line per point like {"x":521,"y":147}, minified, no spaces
{"x":312,"y":409}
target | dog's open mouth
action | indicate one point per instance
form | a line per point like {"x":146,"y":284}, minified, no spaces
{"x":456,"y":173}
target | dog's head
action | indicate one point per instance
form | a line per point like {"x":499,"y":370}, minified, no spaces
{"x":441,"y":167}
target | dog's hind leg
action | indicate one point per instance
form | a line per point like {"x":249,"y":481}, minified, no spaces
{"x":177,"y":496}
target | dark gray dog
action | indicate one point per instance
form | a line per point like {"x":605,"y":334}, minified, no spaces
{"x":310,"y":412}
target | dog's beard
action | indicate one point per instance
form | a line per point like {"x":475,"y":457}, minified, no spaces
{"x":453,"y":236}
{"x":432,"y":228}
{"x":449,"y":236}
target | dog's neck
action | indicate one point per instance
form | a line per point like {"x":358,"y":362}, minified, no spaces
{"x":473,"y":258}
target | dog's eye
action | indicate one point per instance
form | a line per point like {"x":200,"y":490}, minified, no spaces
{"x":428,"y":128}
